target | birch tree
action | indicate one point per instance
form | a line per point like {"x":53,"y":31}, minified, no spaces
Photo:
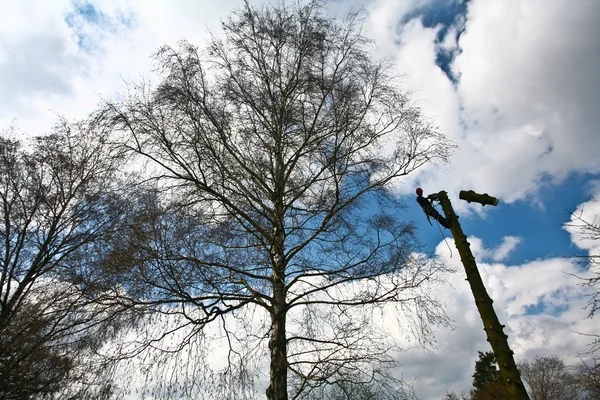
{"x":274,"y":152}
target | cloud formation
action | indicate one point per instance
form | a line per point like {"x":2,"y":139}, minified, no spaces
{"x":519,"y":96}
{"x":523,"y":106}
{"x":586,"y":213}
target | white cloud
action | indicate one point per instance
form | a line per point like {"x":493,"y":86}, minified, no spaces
{"x":523,"y":112}
{"x":587,"y":213}
{"x":528,"y":79}
{"x":524,"y":109}
{"x":56,"y":60}
{"x":509,"y":243}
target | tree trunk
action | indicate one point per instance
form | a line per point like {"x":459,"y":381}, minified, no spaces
{"x":493,"y":329}
{"x":277,"y":389}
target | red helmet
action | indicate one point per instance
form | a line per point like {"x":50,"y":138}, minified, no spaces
{"x":419,"y":192}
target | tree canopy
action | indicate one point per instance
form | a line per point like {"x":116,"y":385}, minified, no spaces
{"x":58,"y":197}
{"x":271,"y":156}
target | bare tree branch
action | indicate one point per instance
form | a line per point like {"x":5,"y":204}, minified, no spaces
{"x":273,"y":153}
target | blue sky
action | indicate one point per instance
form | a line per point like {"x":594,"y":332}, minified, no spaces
{"x":514,"y":83}
{"x":442,"y":14}
{"x":539,"y":225}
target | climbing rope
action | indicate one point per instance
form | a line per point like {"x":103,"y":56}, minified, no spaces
{"x":442,"y":233}
{"x":445,"y":241}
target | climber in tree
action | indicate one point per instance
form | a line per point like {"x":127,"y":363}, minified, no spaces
{"x":425,"y":203}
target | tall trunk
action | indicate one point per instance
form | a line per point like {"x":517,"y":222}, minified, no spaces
{"x":277,"y":389}
{"x":493,"y":329}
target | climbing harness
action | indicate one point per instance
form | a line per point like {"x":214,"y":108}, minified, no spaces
{"x":426,"y":204}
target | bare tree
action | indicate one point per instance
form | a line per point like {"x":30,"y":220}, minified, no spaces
{"x":56,"y":196}
{"x":549,"y":379}
{"x":353,"y":387}
{"x":275,"y":151}
{"x":587,"y":375}
{"x":589,"y":231}
{"x":451,"y":395}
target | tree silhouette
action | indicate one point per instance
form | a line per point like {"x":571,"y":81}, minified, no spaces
{"x":273,"y":153}
{"x":57,"y":197}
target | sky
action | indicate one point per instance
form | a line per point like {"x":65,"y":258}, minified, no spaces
{"x":514,"y":83}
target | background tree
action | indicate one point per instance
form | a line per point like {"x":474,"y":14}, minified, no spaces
{"x":381,"y":388}
{"x":587,"y":375}
{"x":589,"y":231}
{"x":493,"y":390}
{"x":451,"y":395}
{"x":548,"y":378}
{"x":487,"y":381}
{"x":485,"y":370}
{"x":545,"y":377}
{"x":274,"y":151}
{"x":56,"y":196}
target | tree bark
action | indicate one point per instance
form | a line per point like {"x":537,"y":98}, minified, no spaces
{"x":277,"y":389}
